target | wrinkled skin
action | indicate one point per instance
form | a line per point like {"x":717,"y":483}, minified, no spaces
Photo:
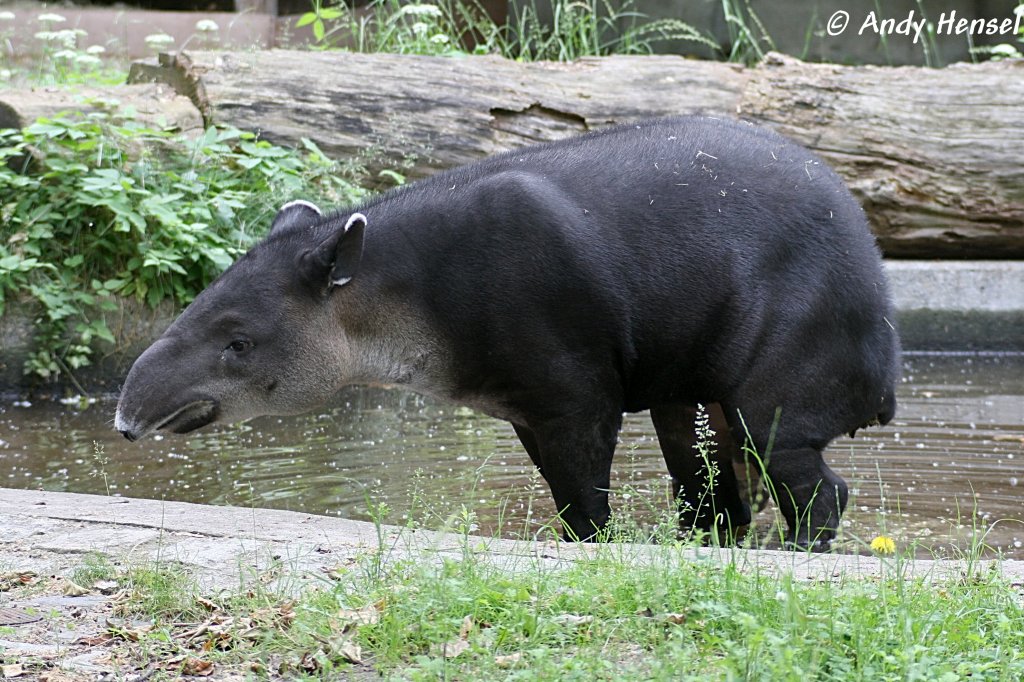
{"x":657,"y":266}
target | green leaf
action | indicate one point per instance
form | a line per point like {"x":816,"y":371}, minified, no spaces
{"x":318,"y":29}
{"x":100,"y":329}
{"x":306,"y":19}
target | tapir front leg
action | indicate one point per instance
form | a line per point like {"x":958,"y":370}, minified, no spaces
{"x":529,"y":441}
{"x":575,"y":457}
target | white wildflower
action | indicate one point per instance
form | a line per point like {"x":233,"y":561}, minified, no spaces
{"x":95,"y":49}
{"x":419,"y":28}
{"x":439,"y":38}
{"x":6,"y":16}
{"x":50,"y":18}
{"x":424,"y":10}
{"x":207,"y":26}
{"x":158,"y":40}
{"x":65,"y":54}
{"x":5,"y":74}
{"x":87,"y":60}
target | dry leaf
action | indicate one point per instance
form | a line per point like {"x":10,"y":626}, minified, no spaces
{"x":347,"y":650}
{"x":72,"y":589}
{"x":207,"y":604}
{"x":572,"y":619}
{"x":96,"y":640}
{"x":9,"y":579}
{"x":368,"y":615}
{"x":507,"y":661}
{"x":12,"y":670}
{"x":674,"y":618}
{"x":197,"y":667}
{"x":105,"y":586}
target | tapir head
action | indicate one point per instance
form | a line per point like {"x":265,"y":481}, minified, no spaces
{"x":264,"y":338}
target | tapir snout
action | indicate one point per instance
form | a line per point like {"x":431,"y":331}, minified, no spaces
{"x":162,"y":400}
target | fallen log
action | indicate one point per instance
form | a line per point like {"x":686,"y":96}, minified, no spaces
{"x":936,"y":156}
{"x":154,"y":105}
{"x":933,"y":155}
{"x":428,"y":113}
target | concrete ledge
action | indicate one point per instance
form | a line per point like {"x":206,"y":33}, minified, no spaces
{"x":959,"y":305}
{"x":50,"y":532}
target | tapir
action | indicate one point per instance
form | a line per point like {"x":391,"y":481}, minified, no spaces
{"x":661,"y":266}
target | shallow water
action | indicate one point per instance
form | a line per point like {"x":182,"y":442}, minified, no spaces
{"x":949,"y":469}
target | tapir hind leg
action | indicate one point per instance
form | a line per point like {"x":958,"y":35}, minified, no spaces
{"x":809,"y":494}
{"x":714,"y":495}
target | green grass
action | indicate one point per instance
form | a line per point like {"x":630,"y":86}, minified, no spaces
{"x":617,"y":612}
{"x":557,"y":30}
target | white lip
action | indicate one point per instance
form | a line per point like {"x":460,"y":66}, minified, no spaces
{"x":140,"y":431}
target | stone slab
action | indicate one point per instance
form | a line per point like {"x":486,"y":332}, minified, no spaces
{"x":226,"y":546}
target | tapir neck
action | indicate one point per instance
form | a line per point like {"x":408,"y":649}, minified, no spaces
{"x":389,"y":339}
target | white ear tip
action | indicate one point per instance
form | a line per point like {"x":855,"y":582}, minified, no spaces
{"x":353,"y":219}
{"x":302,"y":202}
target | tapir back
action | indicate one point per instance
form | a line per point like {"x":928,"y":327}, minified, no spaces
{"x":674,"y":254}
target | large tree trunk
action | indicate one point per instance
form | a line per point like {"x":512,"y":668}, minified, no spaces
{"x":935,"y":156}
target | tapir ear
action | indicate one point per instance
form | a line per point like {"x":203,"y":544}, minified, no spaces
{"x":341,"y":253}
{"x":294,"y":214}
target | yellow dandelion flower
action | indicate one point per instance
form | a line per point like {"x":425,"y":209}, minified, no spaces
{"x":883,"y":544}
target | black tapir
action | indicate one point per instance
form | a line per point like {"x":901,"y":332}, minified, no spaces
{"x":655,"y":266}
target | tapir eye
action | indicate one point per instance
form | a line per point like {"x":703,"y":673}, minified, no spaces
{"x":239,"y":346}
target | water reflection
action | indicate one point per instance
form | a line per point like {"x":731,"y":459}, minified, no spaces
{"x":949,"y":466}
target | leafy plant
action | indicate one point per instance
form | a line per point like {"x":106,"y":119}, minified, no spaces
{"x":748,"y":37}
{"x":1004,"y":50}
{"x":93,"y":208}
{"x":576,"y":29}
{"x":593,"y":28}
